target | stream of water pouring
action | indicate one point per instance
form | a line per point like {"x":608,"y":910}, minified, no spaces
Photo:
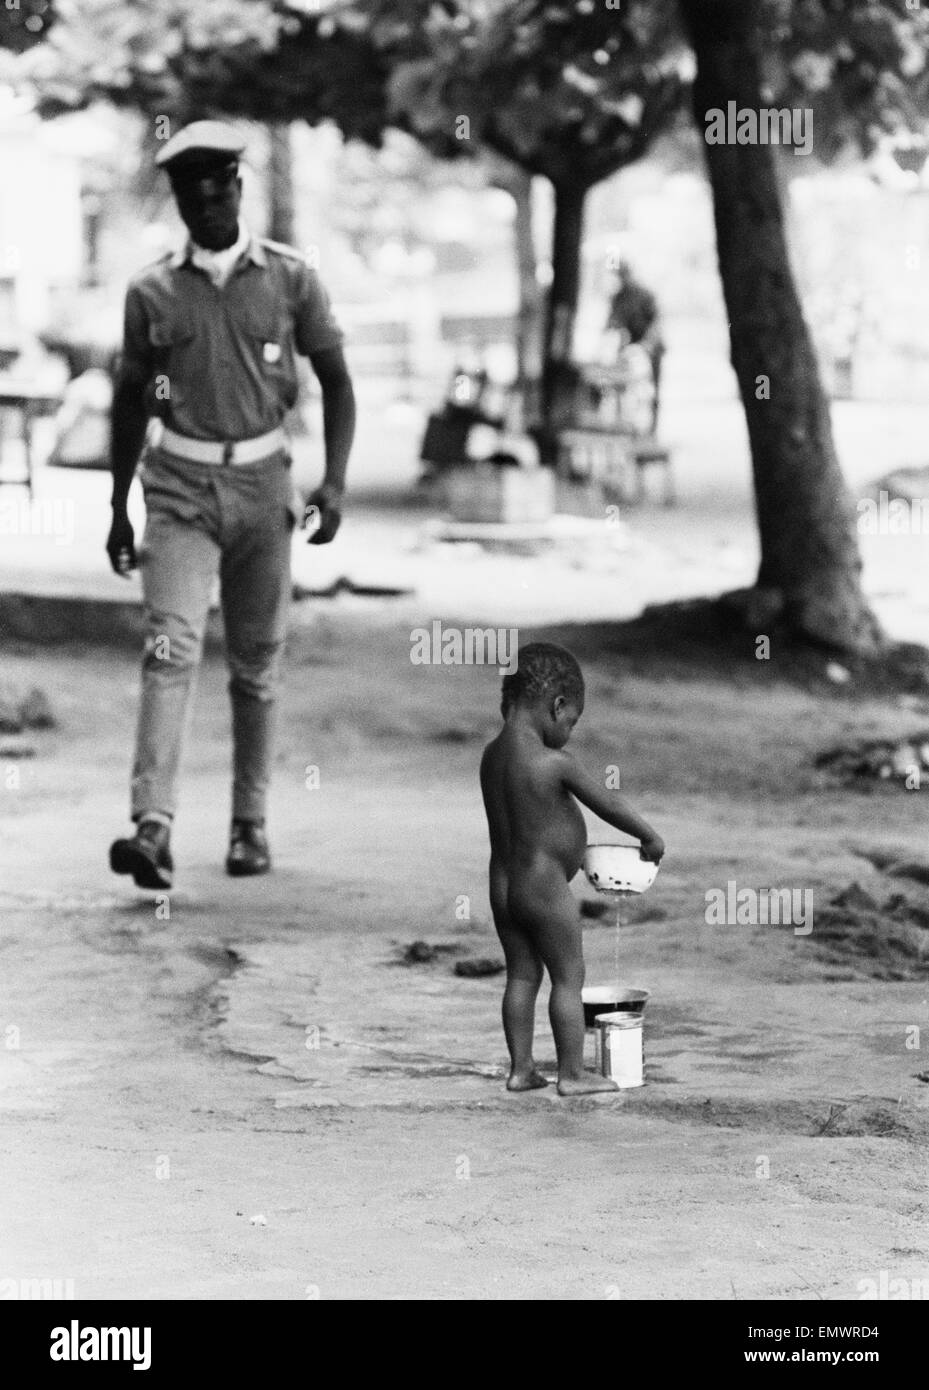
{"x":619,"y":922}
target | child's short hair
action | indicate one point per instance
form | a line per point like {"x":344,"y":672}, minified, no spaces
{"x":542,"y":668}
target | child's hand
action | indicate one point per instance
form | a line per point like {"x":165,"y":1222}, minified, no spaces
{"x":652,"y":849}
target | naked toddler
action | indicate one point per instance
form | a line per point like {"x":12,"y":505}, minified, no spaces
{"x":537,"y":842}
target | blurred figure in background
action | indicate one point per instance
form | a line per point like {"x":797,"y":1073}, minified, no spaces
{"x":634,"y":319}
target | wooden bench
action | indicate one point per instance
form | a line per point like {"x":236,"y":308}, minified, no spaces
{"x":26,"y":402}
{"x":648,"y":451}
{"x":614,"y":458}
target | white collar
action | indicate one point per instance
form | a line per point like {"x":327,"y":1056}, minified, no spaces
{"x":219,"y":264}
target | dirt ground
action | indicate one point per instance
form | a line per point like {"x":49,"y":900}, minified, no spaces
{"x":257,"y":1098}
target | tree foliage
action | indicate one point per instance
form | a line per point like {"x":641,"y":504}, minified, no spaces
{"x":565,"y":88}
{"x":24,"y":23}
{"x":861,"y":64}
{"x":569,"y":91}
{"x":252,"y":58}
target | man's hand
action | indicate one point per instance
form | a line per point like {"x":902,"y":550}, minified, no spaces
{"x":652,"y":849}
{"x":120,"y":544}
{"x":322,"y":505}
{"x":338,"y":431}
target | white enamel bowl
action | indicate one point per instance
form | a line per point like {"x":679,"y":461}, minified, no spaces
{"x":618,"y":869}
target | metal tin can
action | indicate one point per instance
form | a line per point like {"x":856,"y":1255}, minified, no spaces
{"x":621,"y":1050}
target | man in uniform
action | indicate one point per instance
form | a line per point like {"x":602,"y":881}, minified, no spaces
{"x":211,"y":334}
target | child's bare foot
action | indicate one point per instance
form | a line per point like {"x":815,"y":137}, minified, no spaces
{"x":531,"y":1080}
{"x":586,"y":1083}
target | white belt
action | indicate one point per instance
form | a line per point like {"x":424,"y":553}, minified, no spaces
{"x":216,"y":451}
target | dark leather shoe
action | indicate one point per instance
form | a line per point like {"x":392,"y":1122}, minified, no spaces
{"x":248,"y":849}
{"x":146,"y":855}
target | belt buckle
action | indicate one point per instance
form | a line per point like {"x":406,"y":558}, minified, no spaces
{"x":228,"y":450}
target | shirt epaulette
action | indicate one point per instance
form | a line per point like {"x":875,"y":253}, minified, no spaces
{"x":164,"y":258}
{"x":282,"y":249}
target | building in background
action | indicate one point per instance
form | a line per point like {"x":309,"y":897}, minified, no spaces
{"x":41,"y":237}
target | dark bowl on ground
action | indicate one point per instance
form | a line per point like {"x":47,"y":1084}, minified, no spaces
{"x":610,"y":999}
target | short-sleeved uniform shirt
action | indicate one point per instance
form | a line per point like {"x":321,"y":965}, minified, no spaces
{"x":220,"y":363}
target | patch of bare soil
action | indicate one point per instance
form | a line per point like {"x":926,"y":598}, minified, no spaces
{"x":882,"y":940}
{"x":854,"y":1119}
{"x":902,"y":762}
{"x":711,"y":637}
{"x":897,"y":863}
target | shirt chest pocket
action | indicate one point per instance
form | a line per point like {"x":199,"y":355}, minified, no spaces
{"x":268,"y":341}
{"x":171,"y":342}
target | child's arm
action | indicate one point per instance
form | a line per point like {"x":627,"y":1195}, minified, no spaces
{"x":611,"y":808}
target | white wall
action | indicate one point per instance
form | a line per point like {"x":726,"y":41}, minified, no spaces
{"x":40,"y":218}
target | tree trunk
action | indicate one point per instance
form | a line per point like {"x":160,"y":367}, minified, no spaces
{"x":281,"y":225}
{"x":517,"y":182}
{"x":559,"y":376}
{"x":527,"y":321}
{"x":810,"y":562}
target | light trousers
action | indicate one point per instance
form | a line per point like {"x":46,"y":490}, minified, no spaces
{"x":204,"y":520}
